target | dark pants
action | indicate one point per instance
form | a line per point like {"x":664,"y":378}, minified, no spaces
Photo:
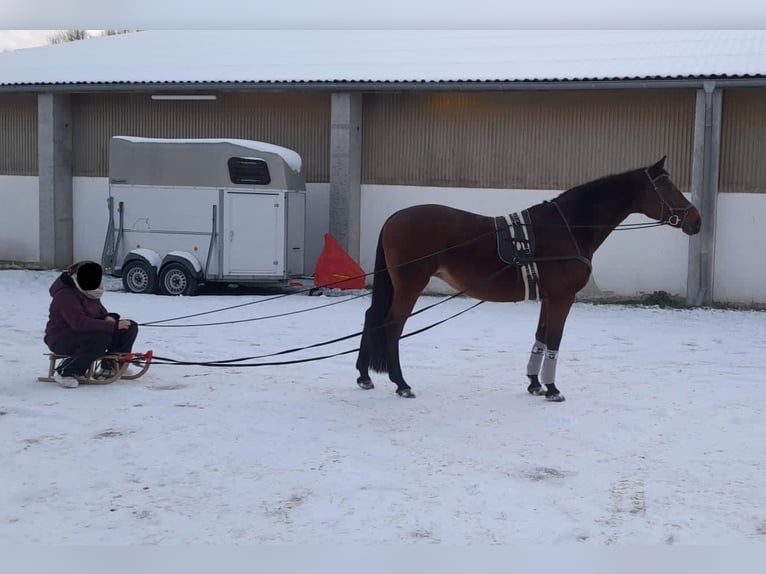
{"x":84,"y":348}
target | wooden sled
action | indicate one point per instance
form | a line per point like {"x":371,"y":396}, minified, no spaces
{"x":124,"y":360}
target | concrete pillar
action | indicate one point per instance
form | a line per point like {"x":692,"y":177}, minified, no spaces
{"x":705,"y":167}
{"x":346,"y":170}
{"x":54,"y":158}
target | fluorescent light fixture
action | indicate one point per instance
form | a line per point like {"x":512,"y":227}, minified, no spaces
{"x":184,"y":97}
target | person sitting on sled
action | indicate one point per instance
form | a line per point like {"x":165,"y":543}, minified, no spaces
{"x":80,"y":327}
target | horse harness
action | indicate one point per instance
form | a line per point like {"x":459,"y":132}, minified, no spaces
{"x":674,"y":219}
{"x":516,"y":246}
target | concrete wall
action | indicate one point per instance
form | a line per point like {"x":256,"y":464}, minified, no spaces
{"x":740,"y":254}
{"x":19,"y":219}
{"x":90,"y":216}
{"x":627,"y":264}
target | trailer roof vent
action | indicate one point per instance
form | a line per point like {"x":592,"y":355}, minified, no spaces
{"x":250,"y":171}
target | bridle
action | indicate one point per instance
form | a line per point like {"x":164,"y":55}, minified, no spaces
{"x":677,"y":216}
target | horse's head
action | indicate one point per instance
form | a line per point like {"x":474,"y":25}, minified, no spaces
{"x":663,"y":201}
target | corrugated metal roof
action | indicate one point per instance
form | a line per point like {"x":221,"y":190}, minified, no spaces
{"x":276,"y":56}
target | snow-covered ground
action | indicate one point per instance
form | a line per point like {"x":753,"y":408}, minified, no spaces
{"x":661,"y":440}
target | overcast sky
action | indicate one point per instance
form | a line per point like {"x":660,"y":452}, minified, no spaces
{"x":14,"y":39}
{"x":434,"y":14}
{"x":380,"y":14}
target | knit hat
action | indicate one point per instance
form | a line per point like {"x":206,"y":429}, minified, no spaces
{"x":89,"y":275}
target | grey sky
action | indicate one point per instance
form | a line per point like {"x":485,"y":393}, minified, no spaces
{"x":355,"y":14}
{"x":296,"y":14}
{"x":15,"y":39}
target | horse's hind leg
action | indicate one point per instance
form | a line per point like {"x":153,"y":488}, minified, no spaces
{"x":363,"y":360}
{"x":401,"y":308}
{"x":393,"y":333}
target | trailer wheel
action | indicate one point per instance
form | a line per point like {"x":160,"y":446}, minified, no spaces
{"x":139,"y":277}
{"x":175,"y":279}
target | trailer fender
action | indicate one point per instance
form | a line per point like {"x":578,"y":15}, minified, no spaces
{"x":151,"y":257}
{"x":187,"y":260}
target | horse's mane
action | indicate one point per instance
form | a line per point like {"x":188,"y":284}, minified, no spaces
{"x":605,"y":184}
{"x":601,"y":202}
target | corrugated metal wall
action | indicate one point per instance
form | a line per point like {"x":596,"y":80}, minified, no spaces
{"x":294,"y":120}
{"x":743,"y":141}
{"x":527,"y":140}
{"x":18,"y":134}
{"x":545,"y":140}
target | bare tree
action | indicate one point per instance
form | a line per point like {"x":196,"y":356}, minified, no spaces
{"x":63,"y":36}
{"x":117,"y":32}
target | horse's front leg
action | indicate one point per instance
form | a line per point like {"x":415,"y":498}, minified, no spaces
{"x":556,"y":316}
{"x":537,"y":354}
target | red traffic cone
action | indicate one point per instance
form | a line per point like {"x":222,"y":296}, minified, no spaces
{"x":334,"y":265}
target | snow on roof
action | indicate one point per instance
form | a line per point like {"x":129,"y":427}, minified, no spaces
{"x":213,"y":56}
{"x":290,"y":157}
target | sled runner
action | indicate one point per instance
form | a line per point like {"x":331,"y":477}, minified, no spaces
{"x":124,"y":360}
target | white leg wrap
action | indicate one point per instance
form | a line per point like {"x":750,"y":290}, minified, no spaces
{"x":535,"y":358}
{"x":548,"y":374}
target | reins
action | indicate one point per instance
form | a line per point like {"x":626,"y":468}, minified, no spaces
{"x":159,"y":322}
{"x":301,"y":291}
{"x":238,"y":362}
{"x":235,"y":321}
{"x":230,"y":363}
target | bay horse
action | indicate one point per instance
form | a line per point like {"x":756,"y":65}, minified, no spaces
{"x":555,"y":242}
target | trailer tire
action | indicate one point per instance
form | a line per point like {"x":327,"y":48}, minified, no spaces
{"x":138,"y":276}
{"x":176,"y":279}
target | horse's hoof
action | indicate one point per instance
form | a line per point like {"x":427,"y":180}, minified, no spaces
{"x":536,"y":390}
{"x":406,"y":393}
{"x":555,"y":398}
{"x":365,"y":384}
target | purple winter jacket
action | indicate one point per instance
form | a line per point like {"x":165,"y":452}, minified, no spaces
{"x":72,"y":312}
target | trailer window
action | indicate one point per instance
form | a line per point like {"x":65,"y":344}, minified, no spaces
{"x":249,"y":171}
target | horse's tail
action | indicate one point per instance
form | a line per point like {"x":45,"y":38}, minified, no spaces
{"x":378,"y":314}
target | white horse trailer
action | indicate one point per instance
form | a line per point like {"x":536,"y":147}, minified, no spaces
{"x":188,"y":211}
